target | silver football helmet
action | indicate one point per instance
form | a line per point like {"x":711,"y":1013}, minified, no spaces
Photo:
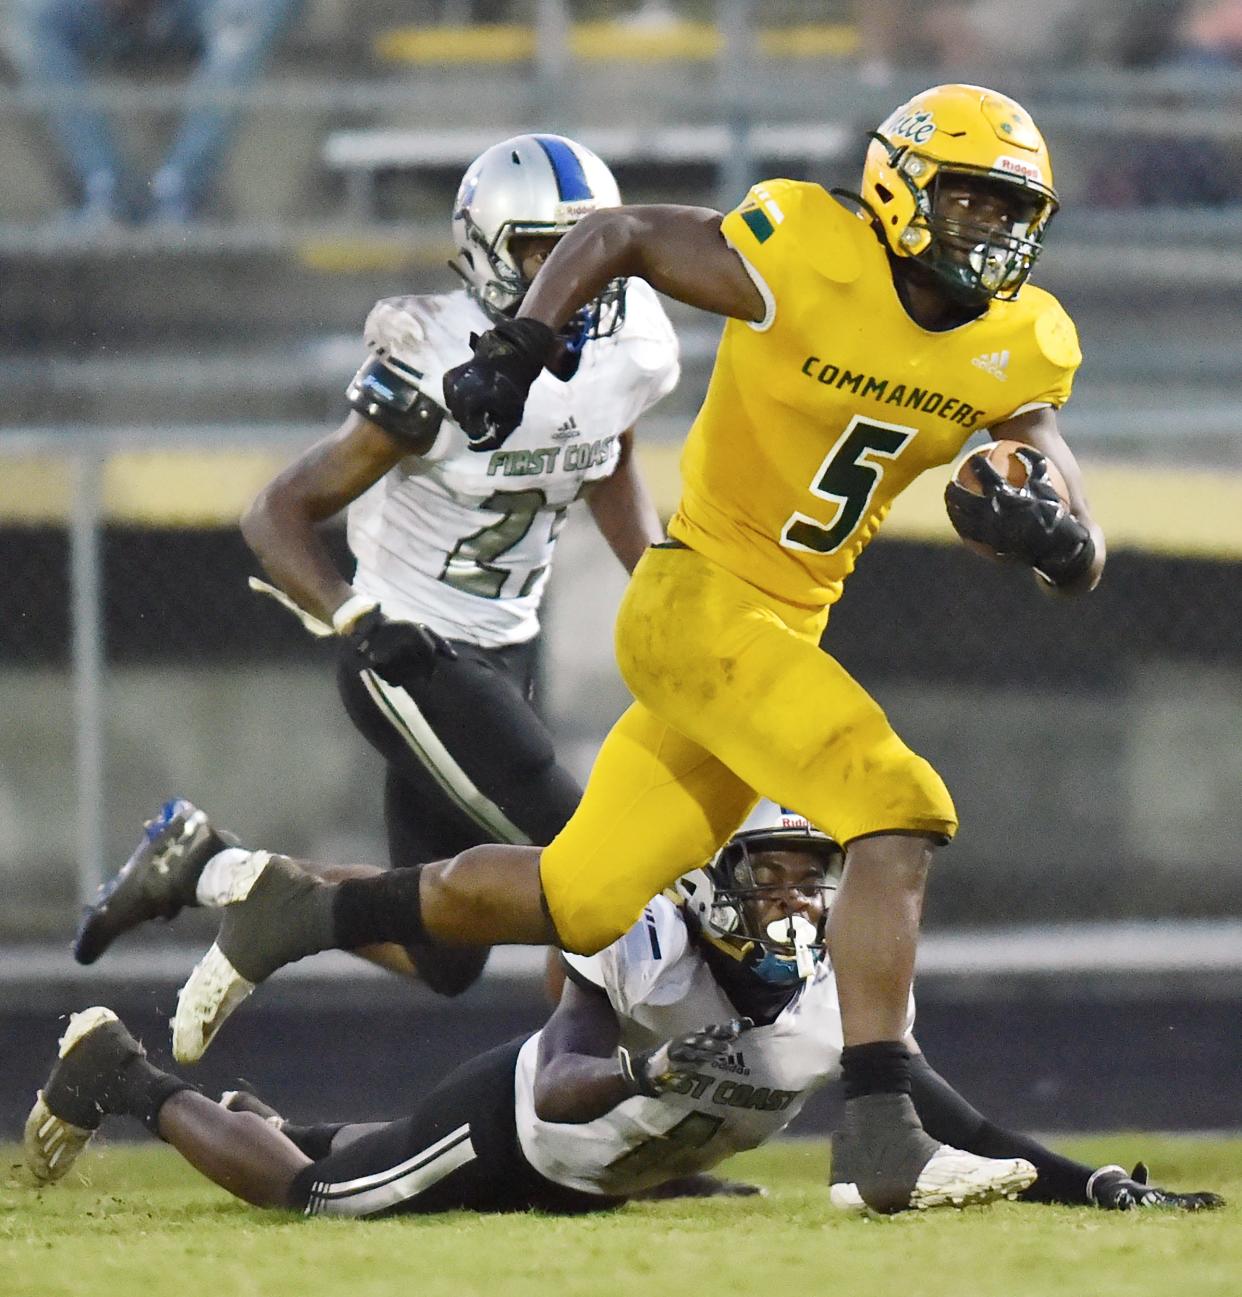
{"x":722,"y":893}
{"x":528,"y":185}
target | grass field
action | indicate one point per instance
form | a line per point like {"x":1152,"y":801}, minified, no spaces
{"x":133,"y":1221}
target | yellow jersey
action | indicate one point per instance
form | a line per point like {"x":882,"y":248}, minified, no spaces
{"x":821,"y":413}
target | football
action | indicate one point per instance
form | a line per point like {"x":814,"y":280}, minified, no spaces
{"x":1005,"y":459}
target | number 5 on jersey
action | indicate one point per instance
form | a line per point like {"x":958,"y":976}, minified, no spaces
{"x":851,"y":471}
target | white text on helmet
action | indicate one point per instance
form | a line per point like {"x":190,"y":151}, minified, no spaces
{"x":918,"y":128}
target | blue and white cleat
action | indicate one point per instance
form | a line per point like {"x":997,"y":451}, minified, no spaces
{"x":156,"y":882}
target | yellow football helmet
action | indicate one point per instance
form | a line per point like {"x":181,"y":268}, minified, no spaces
{"x":961,"y":131}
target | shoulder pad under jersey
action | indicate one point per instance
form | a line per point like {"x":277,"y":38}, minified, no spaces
{"x":1056,"y":335}
{"x":386,"y":389}
{"x":394,"y":332}
{"x":797,"y":224}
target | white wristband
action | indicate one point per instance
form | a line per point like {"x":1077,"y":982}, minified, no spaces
{"x":348,"y":614}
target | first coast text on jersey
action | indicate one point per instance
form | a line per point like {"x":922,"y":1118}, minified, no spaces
{"x":461,"y":540}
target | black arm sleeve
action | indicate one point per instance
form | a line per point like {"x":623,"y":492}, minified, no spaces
{"x":388,"y":398}
{"x":946,"y":1116}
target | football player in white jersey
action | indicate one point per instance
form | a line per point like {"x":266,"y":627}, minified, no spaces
{"x":439,"y":624}
{"x":699,"y":1033}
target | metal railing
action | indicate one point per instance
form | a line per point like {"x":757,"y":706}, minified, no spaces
{"x":1126,"y":708}
{"x":86,"y":452}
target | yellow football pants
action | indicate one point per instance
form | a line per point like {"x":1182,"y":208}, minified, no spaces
{"x":735,"y":700}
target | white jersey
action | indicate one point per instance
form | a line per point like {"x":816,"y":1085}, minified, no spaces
{"x":462,"y":540}
{"x":660,"y":987}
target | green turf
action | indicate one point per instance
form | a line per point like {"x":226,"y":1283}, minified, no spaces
{"x":135,"y":1222}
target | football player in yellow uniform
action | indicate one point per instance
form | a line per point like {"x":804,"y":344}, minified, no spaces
{"x":866,"y":339}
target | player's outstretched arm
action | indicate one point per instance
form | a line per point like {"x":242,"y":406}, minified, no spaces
{"x":1039,"y":428}
{"x":949,"y":1117}
{"x":623,"y":508}
{"x":281,"y":525}
{"x":679,"y":251}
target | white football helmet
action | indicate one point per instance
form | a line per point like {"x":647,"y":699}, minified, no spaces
{"x":717,"y":895}
{"x":530,"y":184}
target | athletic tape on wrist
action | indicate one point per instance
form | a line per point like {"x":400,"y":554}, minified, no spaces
{"x":628,"y":1074}
{"x":348,"y":614}
{"x":635,"y":1073}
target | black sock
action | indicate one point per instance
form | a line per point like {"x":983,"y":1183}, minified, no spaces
{"x":1061,"y":1179}
{"x":880,"y":1067}
{"x":948,"y":1117}
{"x":368,"y":911}
{"x":142,"y":1089}
{"x":314,"y":1141}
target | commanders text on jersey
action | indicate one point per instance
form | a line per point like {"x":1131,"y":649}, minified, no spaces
{"x":919,"y":398}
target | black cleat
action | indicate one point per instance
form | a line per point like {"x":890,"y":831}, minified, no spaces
{"x":1113,"y":1190}
{"x":156,"y":882}
{"x":245,"y":1100}
{"x":94,"y":1051}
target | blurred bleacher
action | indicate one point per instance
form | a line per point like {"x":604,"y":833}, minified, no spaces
{"x":338,"y":187}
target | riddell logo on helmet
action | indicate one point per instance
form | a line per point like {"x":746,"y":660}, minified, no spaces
{"x":575,"y":211}
{"x":1016,"y":167}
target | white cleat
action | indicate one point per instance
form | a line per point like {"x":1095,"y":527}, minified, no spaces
{"x":214,"y":989}
{"x":272,"y":913}
{"x":845,"y":1197}
{"x":52,"y":1144}
{"x":952,"y":1178}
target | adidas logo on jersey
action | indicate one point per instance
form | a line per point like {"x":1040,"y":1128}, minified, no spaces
{"x":734,"y":1063}
{"x":995,"y":363}
{"x":567,"y":430}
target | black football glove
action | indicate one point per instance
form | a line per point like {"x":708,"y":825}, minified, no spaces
{"x":1030,"y":522}
{"x":487,"y":395}
{"x":1113,"y":1190}
{"x":400,"y":652}
{"x":652,"y":1072}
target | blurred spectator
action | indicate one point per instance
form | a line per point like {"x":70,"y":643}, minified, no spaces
{"x":965,"y":34}
{"x":1211,"y":35}
{"x":1143,"y":33}
{"x":61,"y":42}
{"x":1165,"y":169}
{"x":1155,"y":170}
{"x":1004,"y":32}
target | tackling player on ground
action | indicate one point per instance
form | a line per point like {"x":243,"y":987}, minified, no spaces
{"x":439,"y":626}
{"x":700,"y":1032}
{"x":865,"y":340}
